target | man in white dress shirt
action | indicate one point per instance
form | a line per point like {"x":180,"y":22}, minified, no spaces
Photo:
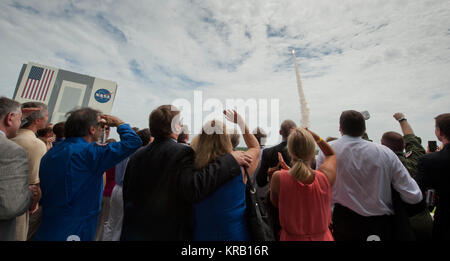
{"x":362,"y":192}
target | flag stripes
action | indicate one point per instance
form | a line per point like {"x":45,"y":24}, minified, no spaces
{"x":38,"y":83}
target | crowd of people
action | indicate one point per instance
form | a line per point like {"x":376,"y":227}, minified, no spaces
{"x":70,"y":181}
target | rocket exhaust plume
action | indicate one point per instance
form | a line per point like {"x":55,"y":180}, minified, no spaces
{"x":304,"y":108}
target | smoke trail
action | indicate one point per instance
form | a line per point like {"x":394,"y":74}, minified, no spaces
{"x":305,"y":111}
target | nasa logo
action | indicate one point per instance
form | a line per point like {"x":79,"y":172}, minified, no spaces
{"x":102,"y":95}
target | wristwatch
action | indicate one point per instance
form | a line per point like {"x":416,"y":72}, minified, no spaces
{"x":401,"y":119}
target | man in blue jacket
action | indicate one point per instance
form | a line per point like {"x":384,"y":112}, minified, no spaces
{"x":71,"y":175}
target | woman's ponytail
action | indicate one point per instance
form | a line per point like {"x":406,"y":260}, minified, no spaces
{"x":301,"y":148}
{"x":300,"y":170}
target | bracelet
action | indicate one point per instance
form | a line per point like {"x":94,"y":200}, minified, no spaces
{"x":320,"y":139}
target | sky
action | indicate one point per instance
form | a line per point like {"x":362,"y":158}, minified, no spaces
{"x":381,"y":56}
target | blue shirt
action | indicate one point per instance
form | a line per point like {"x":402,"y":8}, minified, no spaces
{"x":71,"y":183}
{"x":57,"y":141}
{"x":221,"y":216}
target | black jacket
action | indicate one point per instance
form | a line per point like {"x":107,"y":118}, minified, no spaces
{"x":269,"y":159}
{"x":434,"y":172}
{"x":160,"y":187}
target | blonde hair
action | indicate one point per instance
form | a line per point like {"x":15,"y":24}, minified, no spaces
{"x":301,"y":147}
{"x":209,"y":147}
{"x":194,"y":142}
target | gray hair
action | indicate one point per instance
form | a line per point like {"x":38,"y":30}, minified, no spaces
{"x":7,"y":106}
{"x":35,"y":115}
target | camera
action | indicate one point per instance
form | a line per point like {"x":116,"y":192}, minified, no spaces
{"x":432,"y":145}
{"x":366,"y":115}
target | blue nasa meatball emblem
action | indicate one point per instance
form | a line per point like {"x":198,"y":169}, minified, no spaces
{"x":102,"y":95}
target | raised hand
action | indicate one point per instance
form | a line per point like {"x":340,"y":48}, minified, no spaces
{"x":315,"y":136}
{"x":233,"y":116}
{"x":282,"y":163}
{"x":397,"y":116}
{"x":111,"y":121}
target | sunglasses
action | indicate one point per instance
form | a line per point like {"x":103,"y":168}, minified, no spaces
{"x":101,"y":124}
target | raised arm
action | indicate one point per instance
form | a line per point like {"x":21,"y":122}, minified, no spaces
{"x":413,"y":147}
{"x":406,"y":128}
{"x":249,"y":138}
{"x":328,"y":167}
{"x":412,"y":142}
{"x":104,"y":157}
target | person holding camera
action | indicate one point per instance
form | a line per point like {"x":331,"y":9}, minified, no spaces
{"x":71,"y":175}
{"x":433,"y":170}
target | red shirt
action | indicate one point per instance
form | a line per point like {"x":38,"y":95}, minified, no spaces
{"x":304,"y":210}
{"x":110,"y":182}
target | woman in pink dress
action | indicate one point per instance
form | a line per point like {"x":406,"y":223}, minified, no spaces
{"x":303,"y":195}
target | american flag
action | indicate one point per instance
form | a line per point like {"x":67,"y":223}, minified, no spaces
{"x":38,"y":82}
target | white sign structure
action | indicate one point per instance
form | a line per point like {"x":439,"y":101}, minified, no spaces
{"x":63,"y":90}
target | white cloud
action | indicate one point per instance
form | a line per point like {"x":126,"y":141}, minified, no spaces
{"x":380,"y":56}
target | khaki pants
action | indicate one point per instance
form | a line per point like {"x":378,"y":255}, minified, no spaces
{"x":113,"y":226}
{"x":103,"y":217}
{"x":22,"y":226}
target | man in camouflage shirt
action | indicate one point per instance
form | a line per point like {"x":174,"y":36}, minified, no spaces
{"x":422,"y":222}
{"x":409,"y":141}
